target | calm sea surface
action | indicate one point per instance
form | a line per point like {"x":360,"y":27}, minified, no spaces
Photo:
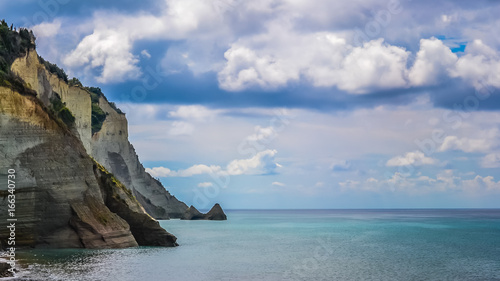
{"x":299,"y":245}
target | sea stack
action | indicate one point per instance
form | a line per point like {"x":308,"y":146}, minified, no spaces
{"x":192,"y":214}
{"x":216,"y":213}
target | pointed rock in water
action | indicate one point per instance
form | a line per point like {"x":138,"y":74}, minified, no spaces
{"x":192,"y":214}
{"x":216,"y":213}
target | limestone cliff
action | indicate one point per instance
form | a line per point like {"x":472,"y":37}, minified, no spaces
{"x":121,"y":201}
{"x":110,"y":145}
{"x":64,"y":198}
{"x":47,"y":85}
{"x":111,"y":148}
{"x":59,"y":202}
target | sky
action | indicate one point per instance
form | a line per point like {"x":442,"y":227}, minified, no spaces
{"x":294,"y":103}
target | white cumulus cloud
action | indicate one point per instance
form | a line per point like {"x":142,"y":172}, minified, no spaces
{"x":491,"y":160}
{"x":110,"y":50}
{"x":433,"y":63}
{"x":324,"y":58}
{"x":416,"y":158}
{"x":194,"y":112}
{"x":465,"y":144}
{"x":205,"y":184}
{"x":46,"y":29}
{"x":262,"y":163}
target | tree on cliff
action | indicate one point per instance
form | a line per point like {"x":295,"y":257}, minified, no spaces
{"x":14,"y":44}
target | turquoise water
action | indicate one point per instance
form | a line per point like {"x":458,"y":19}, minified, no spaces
{"x":299,"y":245}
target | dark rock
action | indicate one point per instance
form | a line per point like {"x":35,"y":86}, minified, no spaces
{"x":216,"y":213}
{"x":5,"y":269}
{"x":120,"y":200}
{"x":192,"y":214}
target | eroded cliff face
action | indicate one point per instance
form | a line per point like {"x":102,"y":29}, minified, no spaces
{"x":59,"y":203}
{"x":111,"y":148}
{"x":64,"y":198}
{"x":47,"y":85}
{"x":121,"y":201}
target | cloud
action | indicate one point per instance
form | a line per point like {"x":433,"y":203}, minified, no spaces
{"x":263,"y":134}
{"x":189,"y":172}
{"x":416,"y":158}
{"x":465,"y":144}
{"x":47,"y":30}
{"x":110,"y":45}
{"x":146,"y":54}
{"x":109,"y":50}
{"x":181,"y":128}
{"x":273,"y":44}
{"x":323,"y":58}
{"x":444,"y":181}
{"x":205,"y":184}
{"x":159,"y":172}
{"x":491,"y":160}
{"x":340,"y":166}
{"x":194,"y":112}
{"x":432,"y":64}
{"x":260,"y":164}
{"x":277,"y":183}
{"x":349,"y":184}
{"x":485,"y":183}
{"x":374,"y":66}
{"x":480,"y":66}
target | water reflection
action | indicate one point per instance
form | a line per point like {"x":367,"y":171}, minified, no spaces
{"x":81,"y":264}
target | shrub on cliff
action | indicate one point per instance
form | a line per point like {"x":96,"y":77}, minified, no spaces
{"x":14,"y":44}
{"x":75,"y":82}
{"x":98,"y":117}
{"x":61,"y":111}
{"x":14,"y":82}
{"x":96,"y":93}
{"x":53,"y":68}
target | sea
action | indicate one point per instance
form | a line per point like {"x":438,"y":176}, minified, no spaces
{"x":423,"y":244}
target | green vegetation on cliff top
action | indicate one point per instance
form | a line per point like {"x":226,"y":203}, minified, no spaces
{"x":53,"y":68}
{"x":15,"y":44}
